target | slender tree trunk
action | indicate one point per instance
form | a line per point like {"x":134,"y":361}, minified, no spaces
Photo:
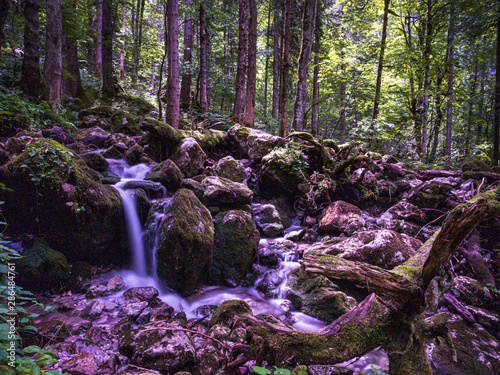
{"x":122,"y":53}
{"x":30,"y":78}
{"x":451,"y":66}
{"x":308,"y":18}
{"x":439,"y":118}
{"x":173,"y":92}
{"x":4,"y":13}
{"x":98,"y":61}
{"x":470,"y":111}
{"x":203,"y":61}
{"x":52,"y":72}
{"x":71,"y":83}
{"x":266,"y":75}
{"x":109,"y":84}
{"x":252,"y":65}
{"x":283,"y":130}
{"x":496,"y":127}
{"x":239,"y":97}
{"x":317,"y":43}
{"x":162,"y":66}
{"x":380,"y":68}
{"x":427,"y":73}
{"x":188,"y":55}
{"x":91,"y":58}
{"x":276,"y":60}
{"x":482,"y":116}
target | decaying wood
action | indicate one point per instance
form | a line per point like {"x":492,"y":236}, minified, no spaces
{"x":476,"y":260}
{"x":459,"y":307}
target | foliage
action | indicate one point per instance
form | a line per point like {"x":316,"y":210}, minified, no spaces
{"x":291,"y":160}
{"x":276,"y":371}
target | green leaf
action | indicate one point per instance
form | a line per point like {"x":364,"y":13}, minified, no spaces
{"x":261,"y":370}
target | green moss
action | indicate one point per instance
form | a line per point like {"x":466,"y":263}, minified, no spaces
{"x":242,"y":132}
{"x":408,"y":272}
{"x":300,"y":370}
{"x":229,"y":309}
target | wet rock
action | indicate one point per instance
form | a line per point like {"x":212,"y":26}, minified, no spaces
{"x":236,"y":244}
{"x":132,"y":310}
{"x":93,"y":136}
{"x":341,"y":217}
{"x":295,"y":235}
{"x":317,"y":296}
{"x":310,"y":236}
{"x":115,"y":284}
{"x":283,"y":172}
{"x":221,"y":191}
{"x":270,"y":284}
{"x":488,"y":319}
{"x":219,"y":332}
{"x":475,"y":350}
{"x":95,"y":161}
{"x":141,"y":294}
{"x":252,"y":142}
{"x":185,"y":243}
{"x":109,"y":178}
{"x":389,"y":159}
{"x":383,"y":248}
{"x":59,"y":135}
{"x":189,"y":157}
{"x":145,"y":316}
{"x":110,"y":306}
{"x":72,"y":194}
{"x":83,"y":364}
{"x":231,"y":169}
{"x":133,"y":155}
{"x":256,"y":272}
{"x":195,"y":186}
{"x":168,"y":174}
{"x":268,"y":257}
{"x":41,"y":268}
{"x":97,"y":291}
{"x":113,"y":152}
{"x":167,"y":351}
{"x":282,"y":246}
{"x":152,"y":189}
{"x":162,"y":311}
{"x":268,"y":220}
{"x":95,"y":309}
{"x":228,"y":310}
{"x":205,"y":310}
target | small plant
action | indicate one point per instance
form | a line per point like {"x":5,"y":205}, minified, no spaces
{"x":276,"y":371}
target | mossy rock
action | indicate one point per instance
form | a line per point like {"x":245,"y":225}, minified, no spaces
{"x":168,"y":174}
{"x":236,"y":244}
{"x":41,"y":268}
{"x":185,"y":243}
{"x":476,"y":166}
{"x":300,"y":370}
{"x":228,"y":310}
{"x":49,"y":182}
{"x":220,"y":191}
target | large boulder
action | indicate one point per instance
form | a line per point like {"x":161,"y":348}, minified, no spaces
{"x":383,"y":248}
{"x":168,"y":174}
{"x":268,"y":220}
{"x":220,"y":191}
{"x":48,"y":182}
{"x":317,"y":296}
{"x":341,"y":217}
{"x":185,"y":243}
{"x":236,"y":244}
{"x":189,"y":157}
{"x":284,"y":172}
{"x":230,"y":168}
{"x":252,"y":142}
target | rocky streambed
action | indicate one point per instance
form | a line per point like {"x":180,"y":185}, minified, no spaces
{"x":165,"y":251}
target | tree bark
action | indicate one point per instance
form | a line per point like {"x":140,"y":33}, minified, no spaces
{"x":308,"y":21}
{"x":468,"y":138}
{"x":91,"y":59}
{"x":252,"y":65}
{"x":173,"y":92}
{"x":317,"y":44}
{"x":266,"y":75}
{"x":122,"y":53}
{"x":109,"y":84}
{"x":276,"y":60}
{"x":427,"y":73}
{"x":496,"y":126}
{"x":162,"y":66}
{"x":283,"y":130}
{"x":451,"y":66}
{"x":439,"y":118}
{"x":98,"y":58}
{"x":188,"y":54}
{"x":52,"y":71}
{"x":4,"y":13}
{"x":203,"y":61}
{"x":30,"y":77}
{"x":239,"y":97}
{"x":380,"y":68}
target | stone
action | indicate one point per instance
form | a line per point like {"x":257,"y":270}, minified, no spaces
{"x":115,"y":284}
{"x":383,"y":248}
{"x":341,"y":217}
{"x":268,"y":220}
{"x":389,"y":159}
{"x":83,"y":364}
{"x":168,"y":174}
{"x":95,"y":291}
{"x":472,"y":292}
{"x":59,"y":135}
{"x":152,"y":189}
{"x":194,"y":186}
{"x":268,"y":257}
{"x":476,"y":166}
{"x":236,"y":245}
{"x":253,"y":142}
{"x":407,"y":211}
{"x":95,"y":161}
{"x":228,"y":310}
{"x":141,"y":294}
{"x":295,"y":235}
{"x":132,"y":310}
{"x":231,"y":169}
{"x":219,"y":191}
{"x":189,"y":157}
{"x":317,"y":296}
{"x":145,"y":316}
{"x":95,"y":309}
{"x":185,"y":243}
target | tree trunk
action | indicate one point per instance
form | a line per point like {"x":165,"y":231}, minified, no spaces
{"x":239,"y":97}
{"x":72,"y":82}
{"x":496,"y":128}
{"x":188,"y":54}
{"x":252,"y":65}
{"x":451,"y":66}
{"x":162,"y":66}
{"x":380,"y":68}
{"x":30,"y":78}
{"x":203,"y":61}
{"x":98,"y":59}
{"x":439,"y":117}
{"x":91,"y":58}
{"x":427,"y":73}
{"x":314,"y":110}
{"x":283,"y":130}
{"x":109,"y":84}
{"x":173,"y":92}
{"x":4,"y":13}
{"x":122,"y":53}
{"x":473,"y":82}
{"x":482,"y":116}
{"x":266,"y":75}
{"x":276,"y":60}
{"x":308,"y":19}
{"x":52,"y":71}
